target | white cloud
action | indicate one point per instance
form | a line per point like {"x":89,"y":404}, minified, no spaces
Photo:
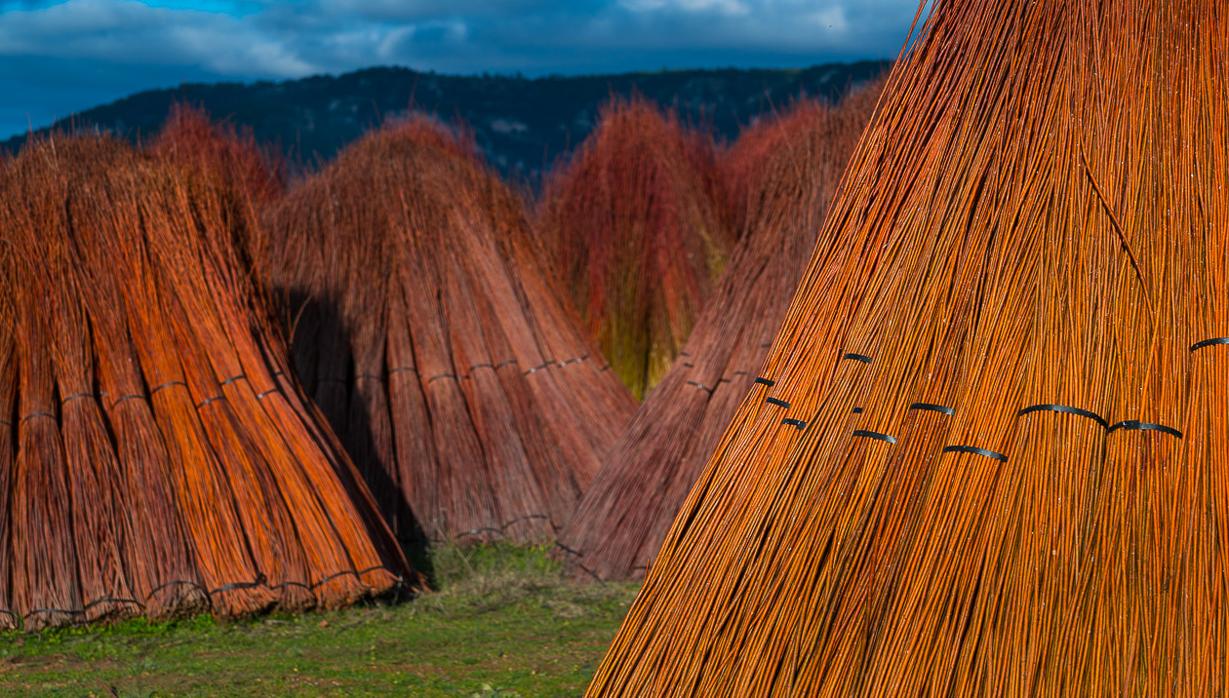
{"x":135,"y":32}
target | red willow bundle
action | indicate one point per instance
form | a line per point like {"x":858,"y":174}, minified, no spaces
{"x":156,"y":460}
{"x":633,"y":226}
{"x":431,"y":338}
{"x":986,"y":453}
{"x":781,"y":173}
{"x":220,"y":150}
{"x":246,"y":177}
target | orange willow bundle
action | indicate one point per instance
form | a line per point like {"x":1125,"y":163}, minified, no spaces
{"x":782,"y":173}
{"x":435,"y":344}
{"x":154,"y":459}
{"x":633,"y":226}
{"x":986,"y":452}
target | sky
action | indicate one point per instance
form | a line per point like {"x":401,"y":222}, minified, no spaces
{"x":58,"y":57}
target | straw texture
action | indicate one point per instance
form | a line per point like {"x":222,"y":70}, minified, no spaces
{"x":781,"y":174}
{"x":427,"y":332}
{"x":155,"y":459}
{"x":633,"y":225}
{"x":1001,"y":469}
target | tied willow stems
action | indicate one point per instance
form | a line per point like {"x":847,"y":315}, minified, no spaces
{"x":1027,"y":244}
{"x":633,"y":224}
{"x":141,"y":472}
{"x":432,"y":338}
{"x":781,"y":174}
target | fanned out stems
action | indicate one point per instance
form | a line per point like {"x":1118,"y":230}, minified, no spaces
{"x":154,"y":459}
{"x":781,"y":175}
{"x":633,"y":225}
{"x":428,"y":332}
{"x":1018,"y":488}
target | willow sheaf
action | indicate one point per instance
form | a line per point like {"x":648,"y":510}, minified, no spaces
{"x":633,"y":224}
{"x":436,"y":344}
{"x":156,"y":459}
{"x":780,"y":176}
{"x":1003,"y":472}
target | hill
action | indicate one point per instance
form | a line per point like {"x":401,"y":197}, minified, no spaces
{"x":522,"y":124}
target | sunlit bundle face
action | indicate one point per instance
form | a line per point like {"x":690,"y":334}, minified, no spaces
{"x":984,"y":453}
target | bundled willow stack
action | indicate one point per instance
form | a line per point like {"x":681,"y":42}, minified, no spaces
{"x":633,"y":226}
{"x":781,"y":173}
{"x":430,"y":337}
{"x":155,"y":458}
{"x":222,"y":151}
{"x":986,"y":452}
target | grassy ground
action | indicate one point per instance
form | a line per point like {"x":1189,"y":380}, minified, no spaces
{"x":504,"y":623}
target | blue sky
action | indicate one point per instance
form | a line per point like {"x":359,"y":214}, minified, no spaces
{"x":60,"y":57}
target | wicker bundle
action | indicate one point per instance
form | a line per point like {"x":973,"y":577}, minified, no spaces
{"x":985,"y":455}
{"x":781,"y":173}
{"x":634,"y":227}
{"x":430,"y":337}
{"x":154,"y":459}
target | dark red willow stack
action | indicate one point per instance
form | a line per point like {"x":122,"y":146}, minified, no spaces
{"x":154,"y":457}
{"x":781,"y":174}
{"x":430,"y":336}
{"x":633,"y":225}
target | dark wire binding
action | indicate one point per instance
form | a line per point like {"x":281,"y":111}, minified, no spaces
{"x":857,"y":410}
{"x":164,"y":386}
{"x":267,"y":393}
{"x":1209,"y":342}
{"x":710,"y":389}
{"x":232,"y":379}
{"x":795,"y":423}
{"x":1065,"y":409}
{"x":931,"y":407}
{"x":77,"y":396}
{"x":239,"y":586}
{"x":764,"y":381}
{"x":174,"y":582}
{"x":125,"y":398}
{"x":858,"y":357}
{"x":112,"y":599}
{"x":34,"y":415}
{"x":1136,"y":425}
{"x":976,"y":451}
{"x":867,"y":433}
{"x":402,"y":369}
{"x":209,"y":401}
{"x":778,"y":403}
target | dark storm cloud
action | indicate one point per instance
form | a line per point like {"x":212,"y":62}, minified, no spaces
{"x":57,"y":57}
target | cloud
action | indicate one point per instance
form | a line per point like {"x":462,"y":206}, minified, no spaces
{"x":127,"y":45}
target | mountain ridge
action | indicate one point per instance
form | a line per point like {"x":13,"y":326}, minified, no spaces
{"x":522,"y":124}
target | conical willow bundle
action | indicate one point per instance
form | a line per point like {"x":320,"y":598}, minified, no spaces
{"x":1001,"y":466}
{"x":782,"y":174}
{"x":154,"y":458}
{"x":431,"y":338}
{"x":222,"y":151}
{"x":633,"y":226}
{"x":246,"y":176}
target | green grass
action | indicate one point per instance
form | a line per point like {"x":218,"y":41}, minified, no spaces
{"x":505,"y":622}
